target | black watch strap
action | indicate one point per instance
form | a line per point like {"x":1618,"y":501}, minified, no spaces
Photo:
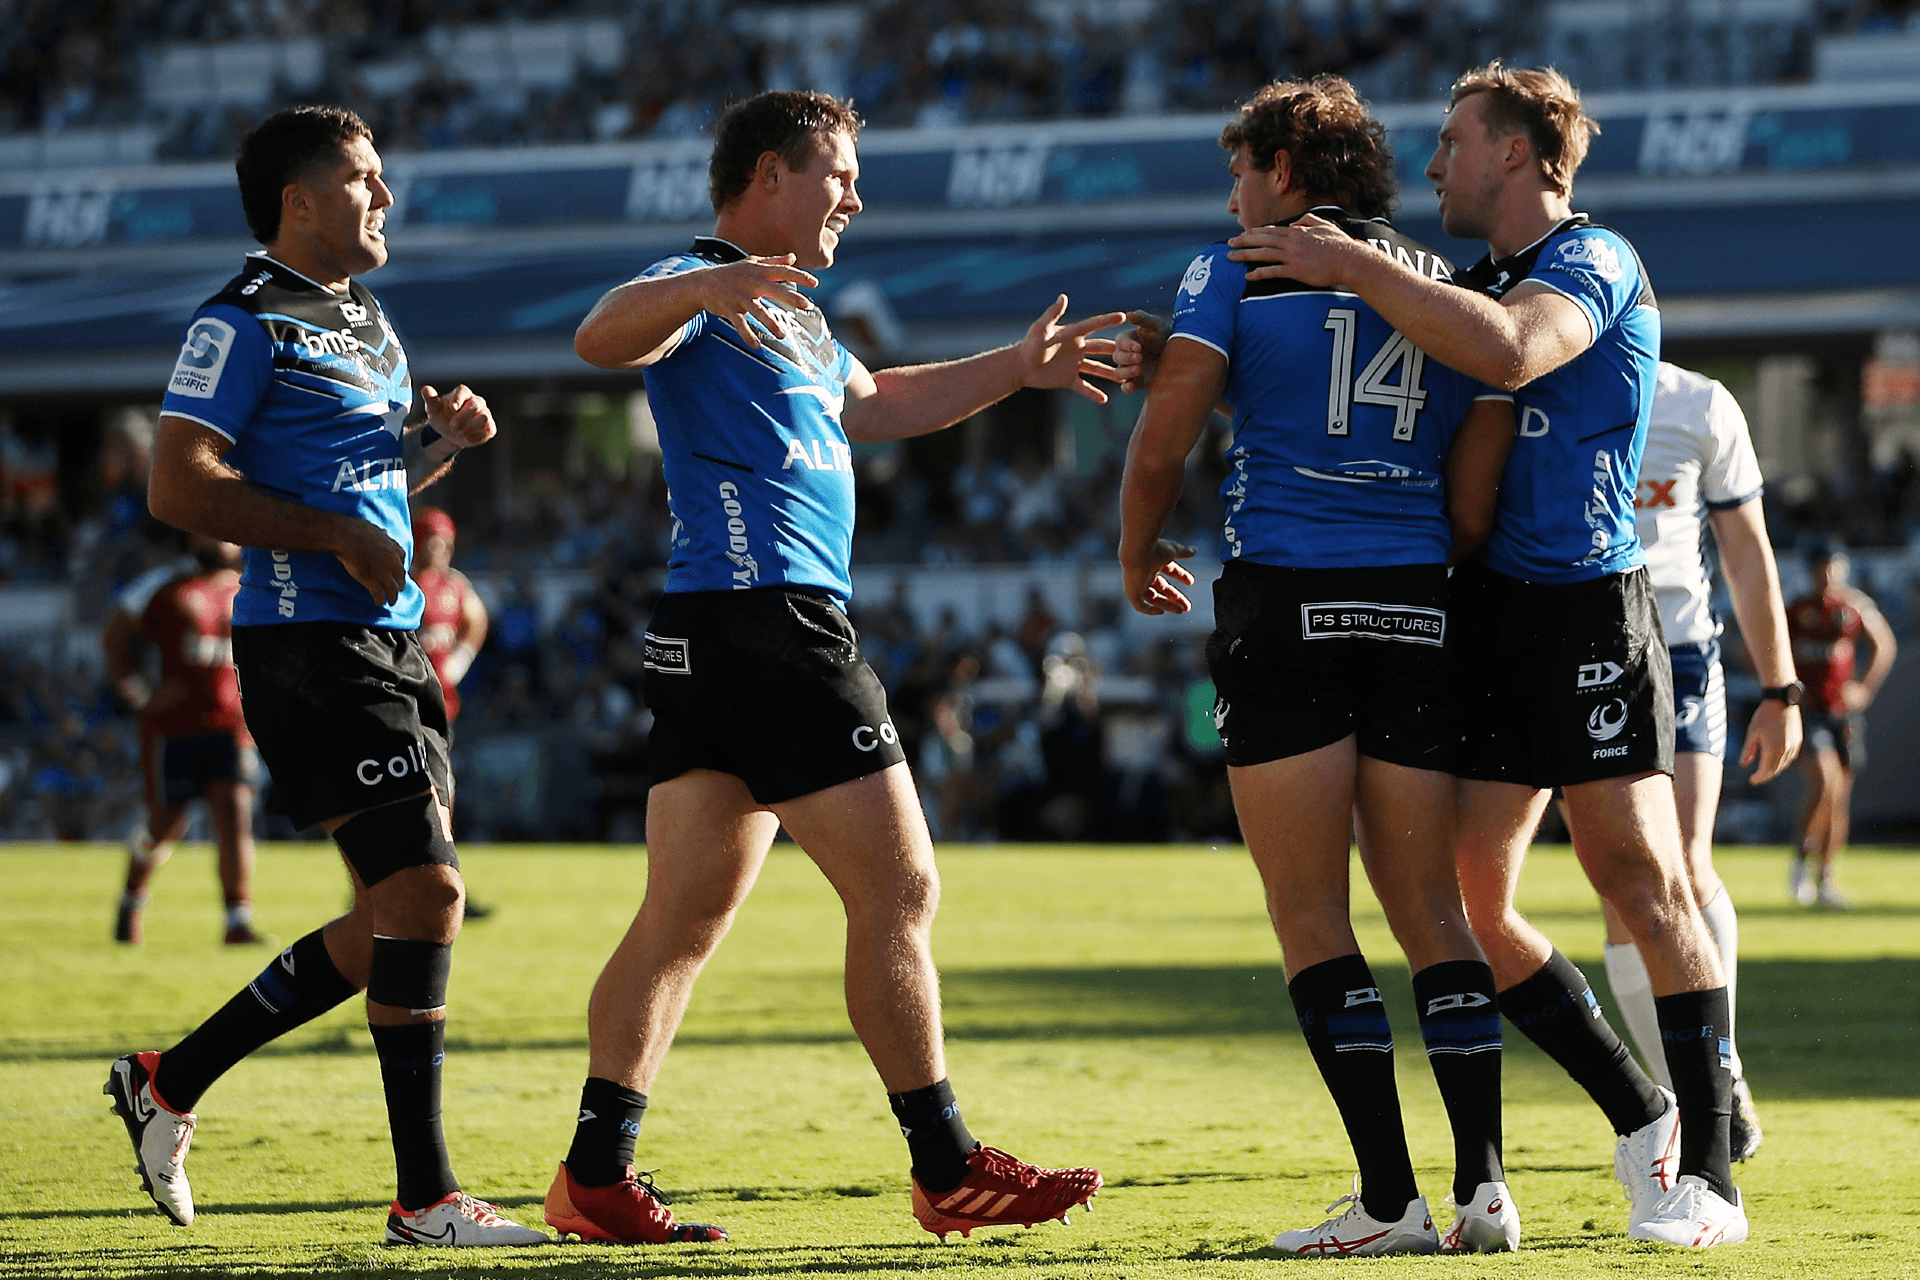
{"x":1789,"y":693}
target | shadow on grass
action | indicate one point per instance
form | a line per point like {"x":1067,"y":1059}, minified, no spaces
{"x":278,"y":1207}
{"x":1810,"y":1028}
{"x":565,"y":1262}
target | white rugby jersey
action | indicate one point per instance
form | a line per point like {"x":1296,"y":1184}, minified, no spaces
{"x":1699,"y":458}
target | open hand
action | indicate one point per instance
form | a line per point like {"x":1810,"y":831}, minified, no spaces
{"x":1058,"y":355}
{"x":1310,"y":250}
{"x":756,"y":288}
{"x":1150,"y":582}
{"x":460,"y":416}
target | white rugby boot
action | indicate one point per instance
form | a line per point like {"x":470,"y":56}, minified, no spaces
{"x":160,"y":1134}
{"x":458,"y":1221}
{"x":1647,"y":1160}
{"x":1356,"y":1233}
{"x":1488,"y":1224}
{"x":1694,"y":1216}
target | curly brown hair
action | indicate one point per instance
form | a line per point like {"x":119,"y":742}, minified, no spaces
{"x":792,"y":125}
{"x":1338,"y":150}
{"x":1541,"y":105}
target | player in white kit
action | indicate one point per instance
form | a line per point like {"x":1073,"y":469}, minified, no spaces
{"x":1700,"y":469}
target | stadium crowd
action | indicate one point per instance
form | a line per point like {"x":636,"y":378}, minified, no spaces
{"x":1035,"y":731}
{"x":431,"y":74}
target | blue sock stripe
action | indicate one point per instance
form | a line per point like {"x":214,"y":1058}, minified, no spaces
{"x":1467,"y":1031}
{"x":1359,"y":1031}
{"x":272,"y":989}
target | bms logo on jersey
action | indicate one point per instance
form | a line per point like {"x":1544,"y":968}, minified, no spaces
{"x":1592,"y":251}
{"x":1199,"y":271}
{"x":202,"y":358}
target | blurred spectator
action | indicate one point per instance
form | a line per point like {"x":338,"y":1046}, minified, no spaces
{"x":432,"y":74}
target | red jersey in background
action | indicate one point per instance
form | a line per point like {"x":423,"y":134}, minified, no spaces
{"x":447,"y":591}
{"x":1824,"y":631}
{"x":190,"y":622}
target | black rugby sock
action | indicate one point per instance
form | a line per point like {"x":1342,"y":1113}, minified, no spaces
{"x":410,"y":1059}
{"x":1460,"y":1021}
{"x":1345,"y":1023}
{"x":1695,"y":1029}
{"x":298,"y":986}
{"x":937,"y":1137}
{"x":1557,"y":1010}
{"x":605,"y":1133}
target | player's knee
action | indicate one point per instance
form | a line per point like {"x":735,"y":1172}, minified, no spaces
{"x":398,"y":837}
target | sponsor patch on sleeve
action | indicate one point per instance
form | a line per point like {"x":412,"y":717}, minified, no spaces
{"x":203,"y":357}
{"x":1358,"y":619}
{"x":1199,"y":272}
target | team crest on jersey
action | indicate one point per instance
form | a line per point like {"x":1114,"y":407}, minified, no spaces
{"x":1592,"y":251}
{"x":202,"y":359}
{"x":1198,"y":273}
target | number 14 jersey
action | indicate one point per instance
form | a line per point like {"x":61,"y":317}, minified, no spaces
{"x":1341,"y":426}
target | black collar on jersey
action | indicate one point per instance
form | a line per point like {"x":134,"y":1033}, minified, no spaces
{"x":714,"y":249}
{"x":1496,"y":278}
{"x":1379,"y":232}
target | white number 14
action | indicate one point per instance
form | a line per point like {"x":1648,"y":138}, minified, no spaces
{"x":1406,"y":398}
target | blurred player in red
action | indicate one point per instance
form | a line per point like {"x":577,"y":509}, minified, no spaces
{"x":193,"y":740}
{"x":454,"y":625}
{"x":1826,"y":627}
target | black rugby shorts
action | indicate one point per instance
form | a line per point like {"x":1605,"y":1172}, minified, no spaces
{"x":1303,"y":657}
{"x":1560,"y":683}
{"x":767,"y":685}
{"x":346,"y":717}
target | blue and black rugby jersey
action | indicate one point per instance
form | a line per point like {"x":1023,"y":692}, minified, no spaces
{"x":1566,"y":499}
{"x":759,"y":472}
{"x":1341,"y":426}
{"x":312,"y":388}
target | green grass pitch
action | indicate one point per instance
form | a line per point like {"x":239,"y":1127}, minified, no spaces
{"x":1122,"y":1007}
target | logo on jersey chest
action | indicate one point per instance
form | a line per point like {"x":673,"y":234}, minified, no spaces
{"x":827,"y":455}
{"x":1659,"y":494}
{"x":371,"y":476}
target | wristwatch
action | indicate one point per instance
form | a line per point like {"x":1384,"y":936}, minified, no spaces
{"x":1789,"y":693}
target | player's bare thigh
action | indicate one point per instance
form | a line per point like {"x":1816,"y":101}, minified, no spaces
{"x":1696,"y":794}
{"x":869,"y":837}
{"x":707,"y":838}
{"x":1296,"y":814}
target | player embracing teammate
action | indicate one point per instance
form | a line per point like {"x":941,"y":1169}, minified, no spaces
{"x":1559,"y":663}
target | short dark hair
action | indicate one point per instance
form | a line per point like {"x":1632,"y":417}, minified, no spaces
{"x":1337,"y":148}
{"x":1541,"y":105}
{"x":792,"y":125}
{"x":285,"y":146}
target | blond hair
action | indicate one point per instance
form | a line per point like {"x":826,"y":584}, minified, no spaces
{"x":1540,"y":104}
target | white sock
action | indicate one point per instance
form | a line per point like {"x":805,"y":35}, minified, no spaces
{"x":240,"y":913}
{"x":1633,"y":993}
{"x":144,"y":851}
{"x":1724,"y":925}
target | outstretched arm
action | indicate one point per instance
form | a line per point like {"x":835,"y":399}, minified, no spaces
{"x":1507,"y":344}
{"x":1187,"y":385}
{"x":193,"y":488}
{"x":1753,"y":583}
{"x":634,"y":325}
{"x":896,"y":403}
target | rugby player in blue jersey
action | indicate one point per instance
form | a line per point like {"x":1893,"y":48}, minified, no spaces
{"x":285,"y":429}
{"x":1360,"y":470}
{"x":1565,"y":680}
{"x":765,"y":715}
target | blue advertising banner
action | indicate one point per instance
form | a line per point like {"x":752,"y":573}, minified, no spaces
{"x":1064,"y":164}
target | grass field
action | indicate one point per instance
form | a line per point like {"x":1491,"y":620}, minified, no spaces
{"x":1118,"y":1007}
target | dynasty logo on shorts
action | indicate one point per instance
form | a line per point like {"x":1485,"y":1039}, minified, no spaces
{"x":1594,"y":675}
{"x":667,"y":655}
{"x":1408,"y":623}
